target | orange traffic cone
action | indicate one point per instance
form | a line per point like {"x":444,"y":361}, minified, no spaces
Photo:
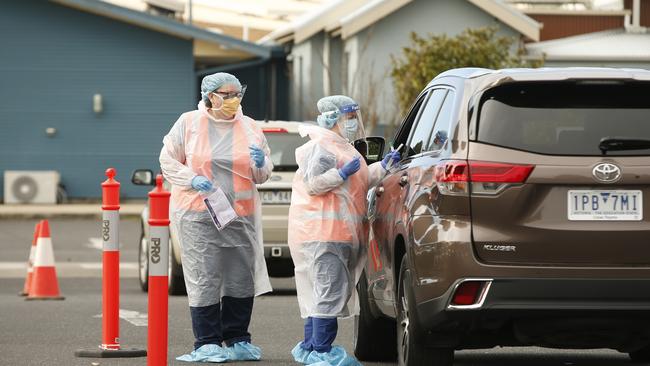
{"x":44,"y":283}
{"x":30,"y":263}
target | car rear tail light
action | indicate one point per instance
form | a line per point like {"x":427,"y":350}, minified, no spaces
{"x":454,"y":177}
{"x":470,"y":293}
{"x":274,"y":130}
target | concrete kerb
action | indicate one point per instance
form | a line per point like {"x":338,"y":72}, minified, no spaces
{"x":82,"y":210}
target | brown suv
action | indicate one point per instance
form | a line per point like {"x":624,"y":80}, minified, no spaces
{"x":515,"y":218}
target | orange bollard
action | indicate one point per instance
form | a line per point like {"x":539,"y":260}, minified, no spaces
{"x":110,"y":262}
{"x":45,"y":285}
{"x":110,"y":347}
{"x":30,"y":263}
{"x":158,"y":281}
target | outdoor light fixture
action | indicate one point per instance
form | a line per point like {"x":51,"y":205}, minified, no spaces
{"x":50,"y":131}
{"x":97,"y":103}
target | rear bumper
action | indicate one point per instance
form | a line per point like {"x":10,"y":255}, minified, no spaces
{"x":575,"y":313}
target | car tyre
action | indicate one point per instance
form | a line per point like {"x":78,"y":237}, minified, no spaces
{"x":374,"y":338}
{"x":143,"y":263}
{"x":642,"y":355}
{"x":410,"y":350}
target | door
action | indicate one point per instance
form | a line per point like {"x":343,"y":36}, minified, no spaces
{"x":384,"y":215}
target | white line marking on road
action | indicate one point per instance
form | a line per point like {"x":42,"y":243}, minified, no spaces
{"x":95,"y":243}
{"x":69,"y":269}
{"x":131,"y":316}
{"x":13,"y":265}
{"x":98,"y":265}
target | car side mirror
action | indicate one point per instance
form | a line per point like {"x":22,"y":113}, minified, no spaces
{"x":373,"y":148}
{"x":143,"y":177}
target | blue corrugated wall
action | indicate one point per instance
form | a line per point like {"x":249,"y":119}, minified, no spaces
{"x":52,"y":60}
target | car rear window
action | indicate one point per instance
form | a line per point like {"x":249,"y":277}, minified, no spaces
{"x":283,"y":147}
{"x":565,"y":118}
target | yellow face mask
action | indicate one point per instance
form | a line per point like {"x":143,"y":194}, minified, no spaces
{"x":230,"y":106}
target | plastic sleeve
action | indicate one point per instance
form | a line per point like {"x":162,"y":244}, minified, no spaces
{"x":320,"y":174}
{"x":376,"y":173}
{"x":172,"y":156}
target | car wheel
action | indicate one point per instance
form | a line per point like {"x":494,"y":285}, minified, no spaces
{"x":175,"y":274}
{"x":374,"y":338}
{"x":642,"y":355}
{"x":143,"y":263}
{"x":410,"y":350}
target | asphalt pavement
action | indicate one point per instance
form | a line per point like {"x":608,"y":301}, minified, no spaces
{"x":49,"y":332}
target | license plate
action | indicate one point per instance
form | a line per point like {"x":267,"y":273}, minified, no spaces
{"x":276,"y":197}
{"x":610,"y":205}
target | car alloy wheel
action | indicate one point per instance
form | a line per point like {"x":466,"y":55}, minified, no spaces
{"x":143,"y":265}
{"x":403,"y":326}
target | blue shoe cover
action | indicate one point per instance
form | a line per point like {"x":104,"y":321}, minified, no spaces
{"x":244,"y":351}
{"x":299,"y":353}
{"x":336,"y":357}
{"x":206,"y":353}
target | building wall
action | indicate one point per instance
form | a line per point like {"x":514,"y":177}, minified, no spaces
{"x":308,"y":77}
{"x":300,"y":78}
{"x":645,"y":11}
{"x":335,"y":65}
{"x":375,"y":46}
{"x":560,"y":26}
{"x":54,"y":59}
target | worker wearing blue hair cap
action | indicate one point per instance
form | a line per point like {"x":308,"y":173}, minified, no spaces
{"x":327,"y":233}
{"x":216,"y":148}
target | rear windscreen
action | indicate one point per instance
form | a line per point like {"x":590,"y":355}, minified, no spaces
{"x":565,"y":118}
{"x":283,"y":149}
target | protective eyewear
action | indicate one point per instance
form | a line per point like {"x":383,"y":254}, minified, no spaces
{"x":230,"y":95}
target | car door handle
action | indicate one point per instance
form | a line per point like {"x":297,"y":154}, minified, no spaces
{"x":379,"y":191}
{"x":404,"y":180}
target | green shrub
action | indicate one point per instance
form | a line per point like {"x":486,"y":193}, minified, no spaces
{"x":428,"y":57}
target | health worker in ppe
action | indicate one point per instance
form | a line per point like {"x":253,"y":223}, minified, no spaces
{"x":215,"y":148}
{"x":327,"y":227}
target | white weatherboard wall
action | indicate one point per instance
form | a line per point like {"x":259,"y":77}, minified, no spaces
{"x":388,"y":36}
{"x":306,"y":77}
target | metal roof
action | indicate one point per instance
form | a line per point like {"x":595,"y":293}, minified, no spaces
{"x":353,"y":16}
{"x":164,"y":25}
{"x":610,"y":45}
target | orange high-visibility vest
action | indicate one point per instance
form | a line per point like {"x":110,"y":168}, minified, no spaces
{"x":201,"y":163}
{"x":335,"y":216}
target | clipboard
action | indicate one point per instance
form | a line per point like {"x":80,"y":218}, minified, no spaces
{"x":220,"y":209}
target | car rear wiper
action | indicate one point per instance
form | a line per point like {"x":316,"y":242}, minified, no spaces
{"x":622,"y":143}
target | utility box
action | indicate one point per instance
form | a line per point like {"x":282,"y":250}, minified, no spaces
{"x":24,"y":186}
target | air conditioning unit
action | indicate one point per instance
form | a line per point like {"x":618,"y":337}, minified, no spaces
{"x":23,"y":186}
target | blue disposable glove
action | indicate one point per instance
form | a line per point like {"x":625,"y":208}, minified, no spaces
{"x":393,"y":157}
{"x":257,"y":155}
{"x":350,"y":168}
{"x":201,"y":183}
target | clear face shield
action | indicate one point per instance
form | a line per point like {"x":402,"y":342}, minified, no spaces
{"x":350,"y":123}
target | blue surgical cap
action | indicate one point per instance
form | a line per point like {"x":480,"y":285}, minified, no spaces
{"x":334,"y":102}
{"x":329,"y":104}
{"x":213,"y":82}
